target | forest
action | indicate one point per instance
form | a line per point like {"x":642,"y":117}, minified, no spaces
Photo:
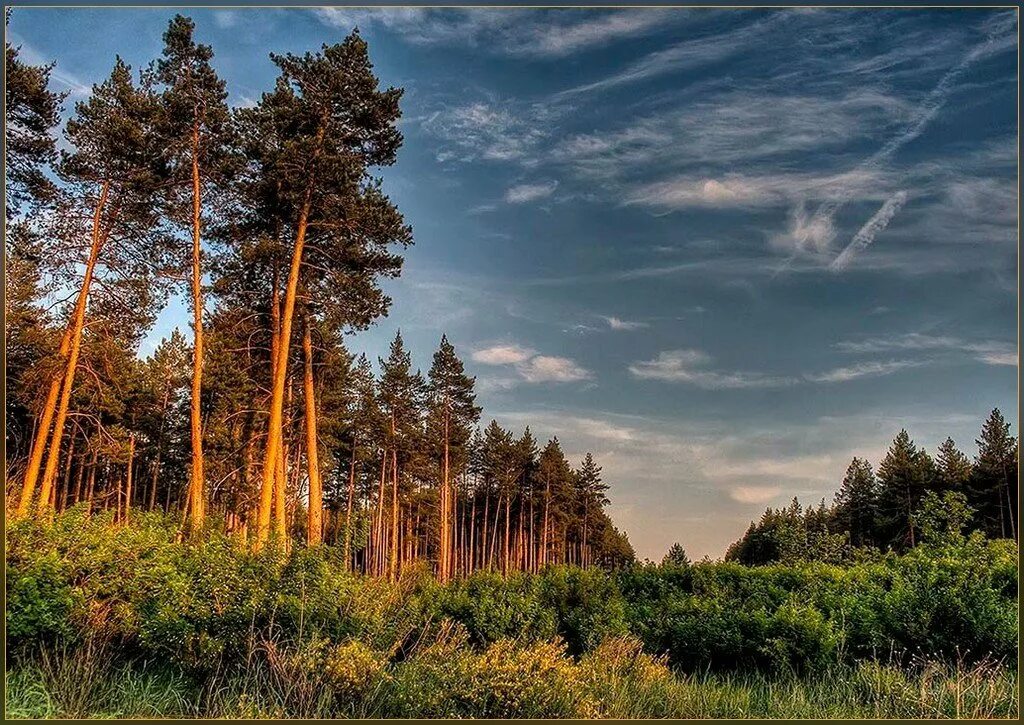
{"x":275,"y":205}
{"x":251,"y":521}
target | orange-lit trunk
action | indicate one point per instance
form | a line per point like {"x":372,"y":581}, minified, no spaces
{"x":265,"y":504}
{"x":197,"y":481}
{"x":77,"y":325}
{"x":314,"y":533}
{"x":280,"y":369}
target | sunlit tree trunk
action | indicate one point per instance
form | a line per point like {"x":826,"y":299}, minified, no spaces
{"x":314,"y":533}
{"x":197,"y":481}
{"x":280,"y":371}
{"x":265,"y":504}
{"x":78,"y":324}
{"x":348,"y":503}
{"x":60,"y":385}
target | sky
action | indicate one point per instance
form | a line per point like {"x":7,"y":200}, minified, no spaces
{"x":724,"y":250}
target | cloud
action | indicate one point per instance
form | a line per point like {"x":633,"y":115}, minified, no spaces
{"x":990,"y":352}
{"x":524,"y":193}
{"x":753,"y":494}
{"x":999,"y":38}
{"x":863,"y":370}
{"x":547,"y":34}
{"x":545,"y":368}
{"x":530,"y":366}
{"x":617,"y":324}
{"x":688,"y":366}
{"x":491,"y":130}
{"x":871,"y":229}
{"x":503,"y":355}
{"x":689,"y":54}
{"x":737,"y":190}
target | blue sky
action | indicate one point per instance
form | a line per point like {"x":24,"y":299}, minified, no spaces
{"x":725,"y":250}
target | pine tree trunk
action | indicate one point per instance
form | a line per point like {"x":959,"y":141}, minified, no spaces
{"x":128,"y":478}
{"x":348,"y":504}
{"x":393,"y":564}
{"x":197,"y":481}
{"x":64,"y":380}
{"x":67,"y":476}
{"x":265,"y":504}
{"x":314,"y":533}
{"x":544,"y":533}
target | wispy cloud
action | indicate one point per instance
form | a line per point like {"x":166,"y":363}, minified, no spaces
{"x":863,"y":370}
{"x":523,"y":193}
{"x":503,"y":355}
{"x":491,"y":130}
{"x":1000,"y":36}
{"x":990,"y":352}
{"x":548,"y":33}
{"x":690,"y":366}
{"x":532,"y":367}
{"x":754,"y":494}
{"x":616,"y":323}
{"x":691,"y":53}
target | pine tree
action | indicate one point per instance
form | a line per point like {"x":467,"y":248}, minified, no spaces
{"x":194,"y":125}
{"x":452,"y":414}
{"x":904,"y":475}
{"x":114,"y":171}
{"x":857,"y":503}
{"x":318,"y":132}
{"x":593,"y":499}
{"x":676,"y":556}
{"x":953,"y":468}
{"x":993,"y":485}
{"x":400,"y":396}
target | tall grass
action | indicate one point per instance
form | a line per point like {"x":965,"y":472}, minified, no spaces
{"x":446,"y":679}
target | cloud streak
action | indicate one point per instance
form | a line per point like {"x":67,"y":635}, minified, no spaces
{"x":871,"y":229}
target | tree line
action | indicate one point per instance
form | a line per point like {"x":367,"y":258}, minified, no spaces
{"x":273,"y":219}
{"x":892,"y":507}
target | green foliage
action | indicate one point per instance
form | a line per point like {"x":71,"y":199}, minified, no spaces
{"x":302,"y":636}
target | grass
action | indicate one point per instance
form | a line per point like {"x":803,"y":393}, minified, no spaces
{"x":445,"y":679}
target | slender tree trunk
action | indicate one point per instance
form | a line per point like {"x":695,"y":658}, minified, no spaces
{"x":265,"y":503}
{"x":65,"y":380}
{"x":128,"y":478}
{"x":79,"y":476}
{"x":314,"y":534}
{"x":280,"y":371}
{"x":544,"y":533}
{"x":378,"y":548}
{"x":348,"y":503}
{"x":393,"y":570}
{"x":90,"y":491}
{"x":197,"y":481}
{"x":67,"y":476}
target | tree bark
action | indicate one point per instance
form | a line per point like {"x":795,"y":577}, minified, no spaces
{"x":314,"y":533}
{"x":128,"y":478}
{"x":197,"y":481}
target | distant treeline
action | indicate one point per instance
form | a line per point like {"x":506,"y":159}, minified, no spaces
{"x":886,"y":509}
{"x":272,"y":219}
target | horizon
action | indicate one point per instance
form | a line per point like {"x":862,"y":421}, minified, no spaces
{"x":724,"y":273}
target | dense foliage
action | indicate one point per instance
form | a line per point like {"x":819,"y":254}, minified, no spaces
{"x":880,"y":512}
{"x":202,"y":604}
